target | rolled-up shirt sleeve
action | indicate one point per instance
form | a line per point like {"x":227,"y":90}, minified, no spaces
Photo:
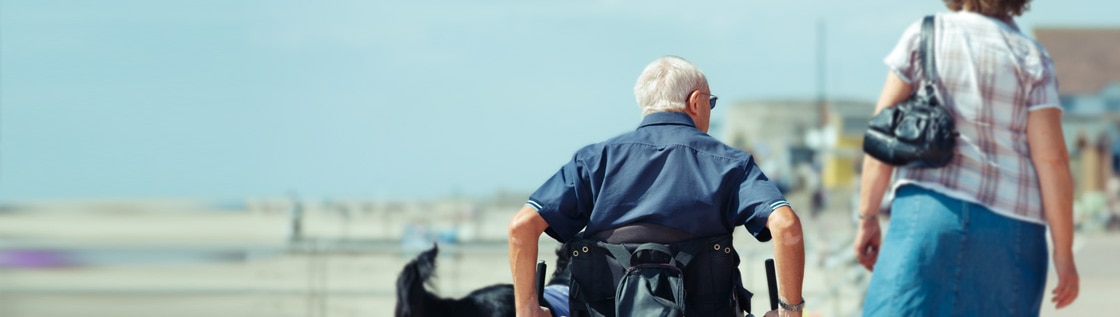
{"x":758,"y":198}
{"x":563,"y":202}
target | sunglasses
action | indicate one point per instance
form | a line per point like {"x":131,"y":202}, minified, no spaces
{"x":711,"y":99}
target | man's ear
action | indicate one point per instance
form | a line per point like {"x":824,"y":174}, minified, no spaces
{"x":692,"y":104}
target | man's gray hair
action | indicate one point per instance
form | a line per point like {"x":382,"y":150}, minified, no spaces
{"x":666,"y":83}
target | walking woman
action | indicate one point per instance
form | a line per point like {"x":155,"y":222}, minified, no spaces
{"x":969,"y":239}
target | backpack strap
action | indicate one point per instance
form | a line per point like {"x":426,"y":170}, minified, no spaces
{"x":681,"y":253}
{"x":687,"y":250}
{"x":617,"y":251}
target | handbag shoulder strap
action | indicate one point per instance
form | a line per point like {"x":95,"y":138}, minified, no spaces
{"x":926,"y":53}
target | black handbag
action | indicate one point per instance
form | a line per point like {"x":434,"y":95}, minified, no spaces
{"x":918,"y":132}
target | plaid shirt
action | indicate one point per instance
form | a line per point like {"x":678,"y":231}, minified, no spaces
{"x":991,"y":76}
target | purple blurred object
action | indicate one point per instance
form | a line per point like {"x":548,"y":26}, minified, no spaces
{"x":33,"y":259}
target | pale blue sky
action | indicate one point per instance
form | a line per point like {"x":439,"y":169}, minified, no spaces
{"x":225,"y":99}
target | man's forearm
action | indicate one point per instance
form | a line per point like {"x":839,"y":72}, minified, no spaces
{"x":789,"y":253}
{"x":524,"y":232}
{"x":522,"y":259}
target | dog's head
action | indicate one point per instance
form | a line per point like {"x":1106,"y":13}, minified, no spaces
{"x":411,"y":293}
{"x":562,"y":274}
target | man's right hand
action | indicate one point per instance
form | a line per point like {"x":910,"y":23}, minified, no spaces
{"x":541,"y":311}
{"x":868,"y":240}
{"x":782,"y":313}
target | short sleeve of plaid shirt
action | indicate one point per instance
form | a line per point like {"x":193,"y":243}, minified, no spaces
{"x":903,"y":59}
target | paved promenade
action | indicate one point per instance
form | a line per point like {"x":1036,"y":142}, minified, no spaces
{"x":218,"y":264}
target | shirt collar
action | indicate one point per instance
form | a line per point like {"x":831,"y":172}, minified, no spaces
{"x":1010,"y":23}
{"x":667,"y":118}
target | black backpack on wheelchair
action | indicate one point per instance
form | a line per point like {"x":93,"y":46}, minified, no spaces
{"x":694,"y":277}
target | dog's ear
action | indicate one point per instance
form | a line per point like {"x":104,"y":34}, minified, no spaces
{"x":561,"y":250}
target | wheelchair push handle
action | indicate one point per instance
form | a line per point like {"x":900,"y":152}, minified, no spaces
{"x":772,"y":284}
{"x":541,"y":266}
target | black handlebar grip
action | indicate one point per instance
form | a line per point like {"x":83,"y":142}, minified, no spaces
{"x":772,"y":284}
{"x":541,"y":266}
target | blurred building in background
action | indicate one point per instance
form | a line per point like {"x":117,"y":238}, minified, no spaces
{"x":802,"y":143}
{"x":1087,"y":62}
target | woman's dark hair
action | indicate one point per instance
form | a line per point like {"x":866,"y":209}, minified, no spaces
{"x":1002,"y":9}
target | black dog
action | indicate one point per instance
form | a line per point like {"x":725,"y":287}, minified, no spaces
{"x":414,"y":300}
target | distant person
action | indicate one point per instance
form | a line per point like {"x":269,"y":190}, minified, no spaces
{"x":668,"y":181}
{"x":1112,"y":189}
{"x":969,"y":239}
{"x":295,"y":228}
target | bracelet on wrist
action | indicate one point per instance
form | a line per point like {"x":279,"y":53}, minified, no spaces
{"x":868,"y":217}
{"x":794,"y":308}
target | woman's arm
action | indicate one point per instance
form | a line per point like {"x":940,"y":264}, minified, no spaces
{"x":1051,"y":161}
{"x":875,"y":180}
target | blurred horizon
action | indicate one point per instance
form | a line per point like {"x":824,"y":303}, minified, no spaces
{"x":228,"y":100}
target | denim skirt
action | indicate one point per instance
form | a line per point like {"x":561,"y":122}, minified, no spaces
{"x":943,"y":256}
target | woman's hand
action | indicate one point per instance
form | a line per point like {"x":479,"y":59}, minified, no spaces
{"x":1069,"y":283}
{"x":868,"y":239}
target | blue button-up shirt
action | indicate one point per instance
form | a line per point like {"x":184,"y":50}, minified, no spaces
{"x":667,"y":172}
